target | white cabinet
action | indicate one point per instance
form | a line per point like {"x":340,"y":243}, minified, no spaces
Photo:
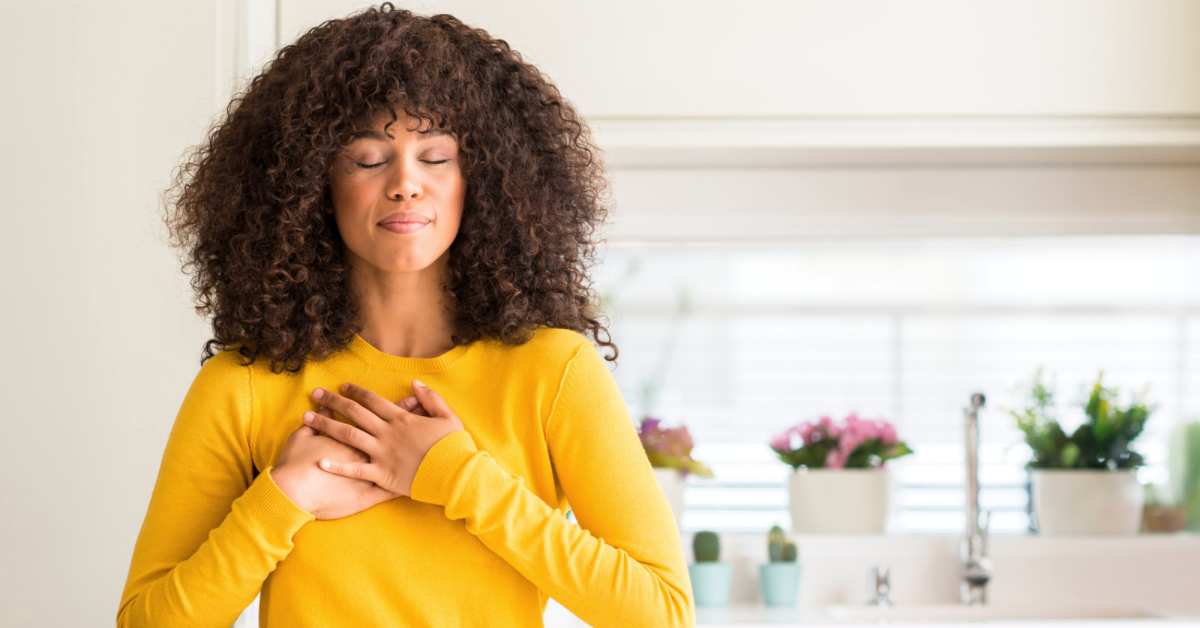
{"x":800,"y":58}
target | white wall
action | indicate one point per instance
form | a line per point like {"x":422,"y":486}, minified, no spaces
{"x":99,"y":101}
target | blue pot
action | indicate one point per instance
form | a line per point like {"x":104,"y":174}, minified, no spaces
{"x":780,"y":583}
{"x":710,"y":583}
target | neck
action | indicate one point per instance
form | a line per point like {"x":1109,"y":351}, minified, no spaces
{"x":403,"y":314}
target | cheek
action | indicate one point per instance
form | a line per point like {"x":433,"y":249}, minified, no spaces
{"x":455,"y":195}
{"x":347,"y":195}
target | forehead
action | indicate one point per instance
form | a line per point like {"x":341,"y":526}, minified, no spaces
{"x":384,"y":128}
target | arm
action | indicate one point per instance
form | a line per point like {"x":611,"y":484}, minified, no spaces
{"x":623,"y":565}
{"x":212,"y":532}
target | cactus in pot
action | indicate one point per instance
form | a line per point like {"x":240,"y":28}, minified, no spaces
{"x":779,"y":548}
{"x":707,"y":547}
{"x":710,"y":577}
{"x":780,"y":577}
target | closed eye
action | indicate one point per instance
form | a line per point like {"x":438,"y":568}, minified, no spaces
{"x":369,"y":165}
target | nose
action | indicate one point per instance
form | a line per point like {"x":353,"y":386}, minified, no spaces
{"x":404,"y":183}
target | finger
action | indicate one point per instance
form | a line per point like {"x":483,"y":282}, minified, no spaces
{"x":410,"y":404}
{"x":356,"y":470}
{"x":430,"y":399}
{"x":342,"y":432}
{"x":351,"y":409}
{"x":370,"y":400}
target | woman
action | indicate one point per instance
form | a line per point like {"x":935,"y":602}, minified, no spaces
{"x":399,"y":208}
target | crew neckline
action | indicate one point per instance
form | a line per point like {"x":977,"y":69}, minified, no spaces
{"x":375,"y":357}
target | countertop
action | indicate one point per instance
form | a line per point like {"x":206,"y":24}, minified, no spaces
{"x":756,"y":616}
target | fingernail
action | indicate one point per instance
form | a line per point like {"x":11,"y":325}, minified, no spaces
{"x":308,"y":417}
{"x":417,"y":382}
{"x":324,"y":464}
{"x":318,"y":393}
{"x":345,"y":387}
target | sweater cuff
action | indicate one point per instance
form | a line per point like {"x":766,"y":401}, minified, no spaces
{"x":266,"y":503}
{"x":437,"y":470}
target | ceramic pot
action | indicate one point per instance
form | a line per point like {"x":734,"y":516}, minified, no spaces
{"x":672,"y":483}
{"x":710,"y":583}
{"x":780,"y":583}
{"x":838,"y":501}
{"x":1069,"y":502}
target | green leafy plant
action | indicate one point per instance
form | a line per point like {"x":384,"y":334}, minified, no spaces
{"x":707,"y":547}
{"x":779,"y":548}
{"x":1101,"y":442}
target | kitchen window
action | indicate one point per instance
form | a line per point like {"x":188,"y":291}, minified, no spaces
{"x":739,"y":341}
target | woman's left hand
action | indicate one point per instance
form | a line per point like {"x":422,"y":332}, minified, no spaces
{"x":396,"y":436}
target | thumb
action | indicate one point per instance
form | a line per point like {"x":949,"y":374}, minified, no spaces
{"x":431,"y":400}
{"x":411,"y":404}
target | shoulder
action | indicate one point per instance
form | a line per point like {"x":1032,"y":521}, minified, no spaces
{"x":559,"y":343}
{"x":219,"y":402}
{"x":549,"y":347}
{"x":568,"y":355}
{"x":223,"y":384}
{"x":225,"y":369}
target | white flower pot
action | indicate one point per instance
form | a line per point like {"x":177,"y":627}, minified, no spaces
{"x":1084,"y":502}
{"x":838,"y":501}
{"x":672,"y":483}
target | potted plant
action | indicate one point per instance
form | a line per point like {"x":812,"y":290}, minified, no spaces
{"x":670,"y":454}
{"x":1184,"y":465}
{"x":710,"y":577}
{"x":839,"y":483}
{"x":1084,"y":482}
{"x":780,"y":577}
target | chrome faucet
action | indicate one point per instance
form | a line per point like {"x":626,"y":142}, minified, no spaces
{"x":977,"y":567}
{"x":880,"y":587}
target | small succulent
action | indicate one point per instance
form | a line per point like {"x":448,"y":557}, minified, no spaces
{"x":707,"y":547}
{"x":779,"y":548}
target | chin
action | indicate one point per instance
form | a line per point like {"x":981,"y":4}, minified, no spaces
{"x":409,"y":264}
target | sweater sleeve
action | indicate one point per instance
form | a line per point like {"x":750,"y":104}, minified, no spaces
{"x":213,"y":531}
{"x":623,"y":564}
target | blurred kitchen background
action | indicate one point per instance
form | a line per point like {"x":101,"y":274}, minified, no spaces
{"x":821,"y":207}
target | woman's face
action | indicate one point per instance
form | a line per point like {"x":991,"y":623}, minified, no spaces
{"x":398,"y":196}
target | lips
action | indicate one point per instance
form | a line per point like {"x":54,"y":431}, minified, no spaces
{"x":404,"y":222}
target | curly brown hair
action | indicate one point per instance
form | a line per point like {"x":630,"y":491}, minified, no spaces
{"x":249,"y":204}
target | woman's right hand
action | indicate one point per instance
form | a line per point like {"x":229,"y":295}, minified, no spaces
{"x":319,"y":493}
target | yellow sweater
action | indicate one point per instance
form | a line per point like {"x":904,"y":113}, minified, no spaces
{"x":483,"y":541}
